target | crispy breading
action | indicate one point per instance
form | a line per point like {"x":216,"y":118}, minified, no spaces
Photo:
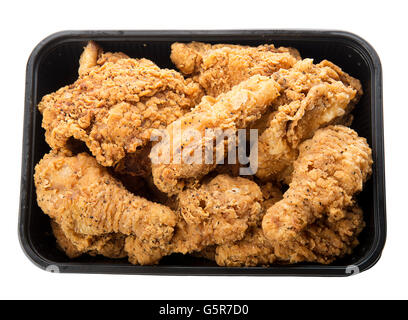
{"x":253,"y":249}
{"x":271,"y":194}
{"x":136,"y":164}
{"x":219,"y":211}
{"x":322,"y":242}
{"x":75,"y":244}
{"x":217,"y":68}
{"x":313,"y":96}
{"x":144,"y":254}
{"x":81,"y":196}
{"x":231,"y":111}
{"x":115,"y":104}
{"x":330,"y":169}
{"x":216,"y":212}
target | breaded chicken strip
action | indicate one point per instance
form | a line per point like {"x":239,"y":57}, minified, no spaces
{"x":330,"y":169}
{"x":115,"y":104}
{"x":313,"y":96}
{"x":75,"y":244}
{"x":219,"y":211}
{"x":82,"y":197}
{"x":322,"y":242}
{"x":230,"y":111}
{"x":217,"y":68}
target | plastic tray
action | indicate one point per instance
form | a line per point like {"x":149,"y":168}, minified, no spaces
{"x":53,"y":64}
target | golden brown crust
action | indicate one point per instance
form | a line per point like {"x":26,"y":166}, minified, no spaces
{"x":235,"y":109}
{"x":313,"y":96}
{"x":217,"y":68}
{"x":321,"y":242}
{"x":324,"y":240}
{"x":219,"y":211}
{"x":136,"y":164}
{"x":82,"y":196}
{"x":206,"y":253}
{"x":89,"y":58}
{"x":75,"y":244}
{"x":331,"y":168}
{"x":253,"y":250}
{"x":115,"y":104}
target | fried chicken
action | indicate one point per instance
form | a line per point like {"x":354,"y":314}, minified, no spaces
{"x":217,"y":212}
{"x":322,"y":242}
{"x":82,"y":197}
{"x":254,"y":249}
{"x":207,"y":253}
{"x":313,"y":96}
{"x":330,"y":169}
{"x":115,"y":104}
{"x":217,"y":68}
{"x":137,"y":161}
{"x":75,"y":244}
{"x":136,"y":164}
{"x":187,"y":137}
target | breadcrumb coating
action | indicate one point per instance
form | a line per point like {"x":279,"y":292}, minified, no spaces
{"x":330,"y":169}
{"x":75,"y":244}
{"x":322,"y":242}
{"x":312,"y":97}
{"x":82,"y":197}
{"x":217,"y":68}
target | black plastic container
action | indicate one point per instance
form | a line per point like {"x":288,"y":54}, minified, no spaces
{"x":54,"y":63}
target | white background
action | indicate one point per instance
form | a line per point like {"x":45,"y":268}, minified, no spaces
{"x":382,"y":23}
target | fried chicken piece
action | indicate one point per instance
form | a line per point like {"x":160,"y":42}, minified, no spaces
{"x":144,"y":254}
{"x":89,"y":58}
{"x":324,"y":240}
{"x":218,"y":212}
{"x":115,"y":104}
{"x":75,"y":244}
{"x":217,"y":68}
{"x":254,"y":250}
{"x":187,"y":137}
{"x":82,"y":197}
{"x":132,"y":183}
{"x":330,"y":169}
{"x":321,"y":242}
{"x":313,"y":96}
